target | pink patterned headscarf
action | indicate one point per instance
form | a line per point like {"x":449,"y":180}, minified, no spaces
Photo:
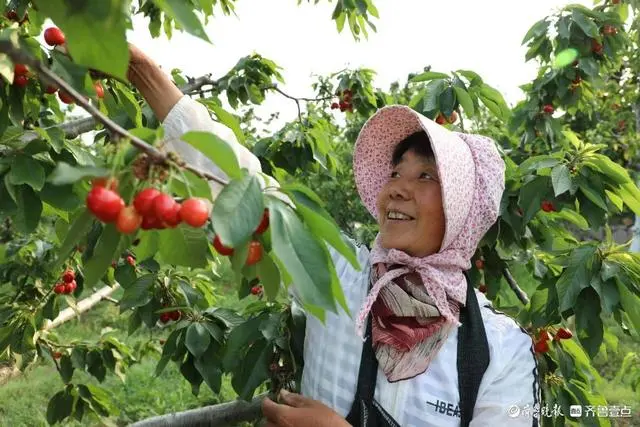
{"x":471,"y":174}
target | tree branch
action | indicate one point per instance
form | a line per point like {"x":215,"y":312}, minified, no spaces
{"x":82,"y":306}
{"x":522,"y":296}
{"x":19,"y":56}
{"x":224,"y":414}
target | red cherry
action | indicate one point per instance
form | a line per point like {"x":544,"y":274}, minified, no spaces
{"x":68,"y":276}
{"x":255,"y":252}
{"x":195,"y":211}
{"x":50,"y":90}
{"x":541,"y":346}
{"x":222,"y":249}
{"x":563,"y":334}
{"x":12,"y":15}
{"x":110,"y":183}
{"x":479,"y":264}
{"x":70,"y":288}
{"x":453,"y":118}
{"x":615,"y":1}
{"x":165,"y":317}
{"x":144,"y":201}
{"x":20,"y":80}
{"x":164,"y":208}
{"x":151,"y":223}
{"x":441,"y":119}
{"x":131,"y":261}
{"x":104,"y":204}
{"x":548,"y":109}
{"x":264,"y":223}
{"x":483,"y":288}
{"x":256,"y":290}
{"x":99,"y":89}
{"x":545,"y":335}
{"x":547,"y":206}
{"x":173,"y":217}
{"x":20,"y":70}
{"x":57,"y":355}
{"x":596,"y":47}
{"x":65,"y":97}
{"x":610,"y":30}
{"x":128,"y":221}
{"x":335,"y":106}
{"x":175,"y":315}
{"x":59,"y":288}
{"x":273,"y":367}
{"x":53,"y":36}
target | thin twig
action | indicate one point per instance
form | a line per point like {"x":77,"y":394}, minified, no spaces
{"x":19,"y":56}
{"x":522,"y":296}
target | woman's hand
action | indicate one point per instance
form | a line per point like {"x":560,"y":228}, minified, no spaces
{"x":297,"y":410}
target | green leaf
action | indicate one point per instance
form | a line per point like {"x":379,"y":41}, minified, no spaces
{"x":125,"y":275}
{"x":29,"y":211}
{"x":608,"y":167}
{"x":197,"y":339}
{"x":64,"y":173}
{"x":561,"y":179}
{"x":96,"y":33}
{"x":216,"y":149}
{"x":588,"y":321}
{"x":301,"y":254}
{"x":538,"y":29}
{"x":429,"y":75}
{"x":322,"y":225}
{"x":138,"y":294}
{"x":184,"y":245}
{"x":60,"y":197}
{"x":494,"y":101}
{"x":531,"y":195}
{"x":447,"y":101}
{"x":576,"y":276}
{"x":586,"y":24}
{"x":103,"y":254}
{"x":537,"y":163}
{"x":78,"y":357}
{"x":565,"y":58}
{"x":238,"y":210}
{"x":629,"y":196}
{"x":269,"y":276}
{"x":183,"y":13}
{"x":434,"y":89}
{"x":254,"y":369}
{"x":27,"y":170}
{"x":631,"y":305}
{"x":239,"y":338}
{"x":78,"y":230}
{"x":192,"y":186}
{"x":168,"y":350}
{"x":228,"y":119}
{"x":130,"y":106}
{"x":66,"y":369}
{"x":209,"y":370}
{"x":215,"y":331}
{"x":465,"y":101}
{"x":60,"y":407}
{"x":148,"y":245}
{"x":592,"y":194}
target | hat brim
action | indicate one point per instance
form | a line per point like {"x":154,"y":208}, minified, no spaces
{"x":374,"y":149}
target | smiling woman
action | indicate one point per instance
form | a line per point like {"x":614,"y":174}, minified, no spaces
{"x":426,"y":349}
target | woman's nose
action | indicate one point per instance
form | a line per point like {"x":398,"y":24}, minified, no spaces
{"x":400,"y":190}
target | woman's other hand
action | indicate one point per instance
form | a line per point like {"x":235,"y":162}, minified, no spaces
{"x":296,"y":410}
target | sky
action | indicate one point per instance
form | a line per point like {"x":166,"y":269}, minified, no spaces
{"x":484,"y":36}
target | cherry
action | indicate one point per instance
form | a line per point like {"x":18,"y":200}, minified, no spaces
{"x":57,"y":355}
{"x":335,"y":106}
{"x":256,"y":290}
{"x":70,"y":288}
{"x":273,"y":367}
{"x":110,"y":183}
{"x":610,"y":30}
{"x":222,"y":249}
{"x":12,"y":15}
{"x":164,"y":208}
{"x":131,"y":261}
{"x":453,"y":117}
{"x":264,"y":223}
{"x":441,"y":119}
{"x":59,"y":288}
{"x":545,"y":335}
{"x":65,"y":97}
{"x":596,"y":47}
{"x":105,"y":204}
{"x":165,"y":317}
{"x":547,"y":206}
{"x":541,"y":346}
{"x":479,"y":264}
{"x":20,"y":80}
{"x":483,"y":288}
{"x":150,"y":222}
{"x":50,"y":90}
{"x":68,"y":276}
{"x":173,"y":216}
{"x":175,"y":315}
{"x":563,"y":334}
{"x":144,"y":201}
{"x":53,"y":36}
{"x":343,"y":106}
{"x":615,"y":1}
{"x":99,"y":89}
{"x":548,"y":109}
{"x":128,"y":221}
{"x":20,"y":70}
{"x":195,"y":211}
{"x":255,"y":252}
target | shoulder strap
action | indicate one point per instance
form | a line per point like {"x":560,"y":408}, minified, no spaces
{"x":473,"y":355}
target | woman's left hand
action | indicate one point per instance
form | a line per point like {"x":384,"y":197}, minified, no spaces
{"x":297,"y":410}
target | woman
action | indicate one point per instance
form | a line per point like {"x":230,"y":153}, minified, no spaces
{"x":425,"y":348}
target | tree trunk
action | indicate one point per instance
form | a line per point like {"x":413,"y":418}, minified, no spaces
{"x":82,"y":306}
{"x":224,"y":414}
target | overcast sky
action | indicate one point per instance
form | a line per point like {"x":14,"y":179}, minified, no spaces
{"x":483,"y":36}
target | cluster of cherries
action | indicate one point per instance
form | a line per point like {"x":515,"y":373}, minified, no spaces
{"x":441,"y":119}
{"x":151,"y":209}
{"x":67,"y":285}
{"x":344,"y":101}
{"x":547,"y":206}
{"x":255,"y":247}
{"x":257,"y":290}
{"x":168,"y":316}
{"x":480,"y":266}
{"x":542,"y":344}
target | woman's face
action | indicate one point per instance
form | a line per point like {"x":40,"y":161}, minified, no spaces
{"x":410,"y":208}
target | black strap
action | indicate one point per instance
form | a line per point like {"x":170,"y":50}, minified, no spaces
{"x":473,"y":355}
{"x":472,"y":362}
